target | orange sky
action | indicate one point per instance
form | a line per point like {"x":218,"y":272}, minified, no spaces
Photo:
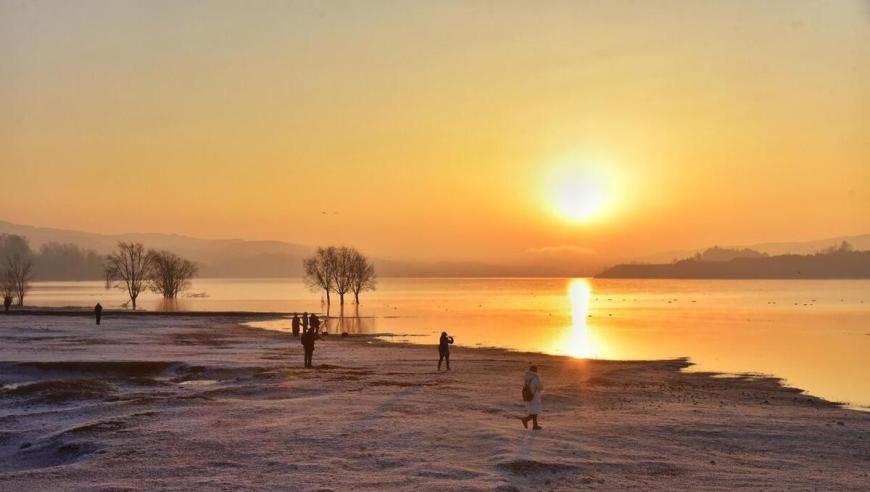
{"x":440,"y":129}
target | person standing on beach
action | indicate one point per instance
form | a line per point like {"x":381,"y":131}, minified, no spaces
{"x":295,"y":324}
{"x":306,"y":335}
{"x":315,"y":324}
{"x":98,"y":312}
{"x":304,"y":322}
{"x":444,"y":349}
{"x":308,"y":338}
{"x":7,"y":301}
{"x":532,"y":389}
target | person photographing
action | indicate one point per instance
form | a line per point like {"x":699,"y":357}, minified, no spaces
{"x":444,"y":349}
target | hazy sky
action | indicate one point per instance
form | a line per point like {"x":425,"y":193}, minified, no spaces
{"x":440,"y":129}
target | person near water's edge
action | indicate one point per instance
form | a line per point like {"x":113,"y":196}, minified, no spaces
{"x":444,"y":349}
{"x":98,"y":312}
{"x":309,"y":336}
{"x":295,"y":324}
{"x":304,"y":322}
{"x":7,"y":301}
{"x":532,"y":389}
{"x":307,"y":347}
{"x":315,"y":324}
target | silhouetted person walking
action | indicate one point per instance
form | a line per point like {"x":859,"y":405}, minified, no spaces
{"x":7,"y":301}
{"x":98,"y":312}
{"x":295,"y":324}
{"x":444,"y":349}
{"x":532,"y":389}
{"x":308,"y":338}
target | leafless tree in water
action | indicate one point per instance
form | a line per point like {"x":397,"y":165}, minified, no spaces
{"x":342,"y":273}
{"x":129,"y":269}
{"x":170,"y":274}
{"x":319,"y":271}
{"x":16,"y":278}
{"x":339,"y":270}
{"x":7,"y":287}
{"x":362,"y":275}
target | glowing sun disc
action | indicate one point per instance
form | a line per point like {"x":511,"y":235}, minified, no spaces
{"x":578,"y":194}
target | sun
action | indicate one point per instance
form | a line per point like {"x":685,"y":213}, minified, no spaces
{"x":578,"y":194}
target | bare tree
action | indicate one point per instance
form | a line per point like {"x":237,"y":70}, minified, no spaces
{"x":12,"y":244}
{"x":342,"y":274}
{"x":19,"y":272}
{"x":170,"y":273}
{"x":17,"y":266}
{"x":7,"y":286}
{"x":340,"y":270}
{"x":129,"y":269}
{"x":318,"y":270}
{"x":362,"y":275}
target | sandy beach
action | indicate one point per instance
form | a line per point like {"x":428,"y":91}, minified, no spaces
{"x":184,"y":403}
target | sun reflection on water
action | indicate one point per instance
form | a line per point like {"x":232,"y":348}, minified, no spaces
{"x":580,"y":341}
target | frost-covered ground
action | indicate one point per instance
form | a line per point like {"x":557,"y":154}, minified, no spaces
{"x":204,"y":403}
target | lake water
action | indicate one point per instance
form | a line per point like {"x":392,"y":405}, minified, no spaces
{"x":813,"y":333}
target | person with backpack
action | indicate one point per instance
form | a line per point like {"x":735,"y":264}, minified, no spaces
{"x":532,"y":389}
{"x":444,"y":349}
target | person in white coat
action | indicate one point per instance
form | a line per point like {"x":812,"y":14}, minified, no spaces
{"x":532,"y":389}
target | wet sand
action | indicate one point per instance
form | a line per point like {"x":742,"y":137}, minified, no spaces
{"x":183,"y":403}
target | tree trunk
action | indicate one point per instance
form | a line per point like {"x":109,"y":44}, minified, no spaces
{"x":356,"y":298}
{"x":341,"y":296}
{"x":133,"y":300}
{"x":327,"y":297}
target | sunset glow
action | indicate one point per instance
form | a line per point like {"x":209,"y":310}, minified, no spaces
{"x":434,"y":245}
{"x":579,"y":194}
{"x":614,"y":130}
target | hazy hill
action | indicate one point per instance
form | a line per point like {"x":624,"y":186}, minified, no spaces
{"x":235,"y":258}
{"x":840,"y":263}
{"x":241,"y":258}
{"x":216,"y":257}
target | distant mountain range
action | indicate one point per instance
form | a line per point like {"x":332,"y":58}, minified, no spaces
{"x":237,"y":258}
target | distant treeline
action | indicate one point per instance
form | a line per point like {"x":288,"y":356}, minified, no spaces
{"x":718,"y":263}
{"x":55,"y":261}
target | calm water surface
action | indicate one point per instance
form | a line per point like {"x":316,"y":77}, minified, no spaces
{"x":813,"y":333}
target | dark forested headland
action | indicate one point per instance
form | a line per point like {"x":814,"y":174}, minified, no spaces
{"x":837,"y":262}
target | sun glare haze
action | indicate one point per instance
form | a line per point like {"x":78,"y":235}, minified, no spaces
{"x":527,"y":239}
{"x":579,"y":193}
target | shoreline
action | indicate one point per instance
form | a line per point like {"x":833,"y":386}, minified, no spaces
{"x":685,"y":362}
{"x":109,"y":313}
{"x":191,"y":403}
{"x":245,"y":317}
